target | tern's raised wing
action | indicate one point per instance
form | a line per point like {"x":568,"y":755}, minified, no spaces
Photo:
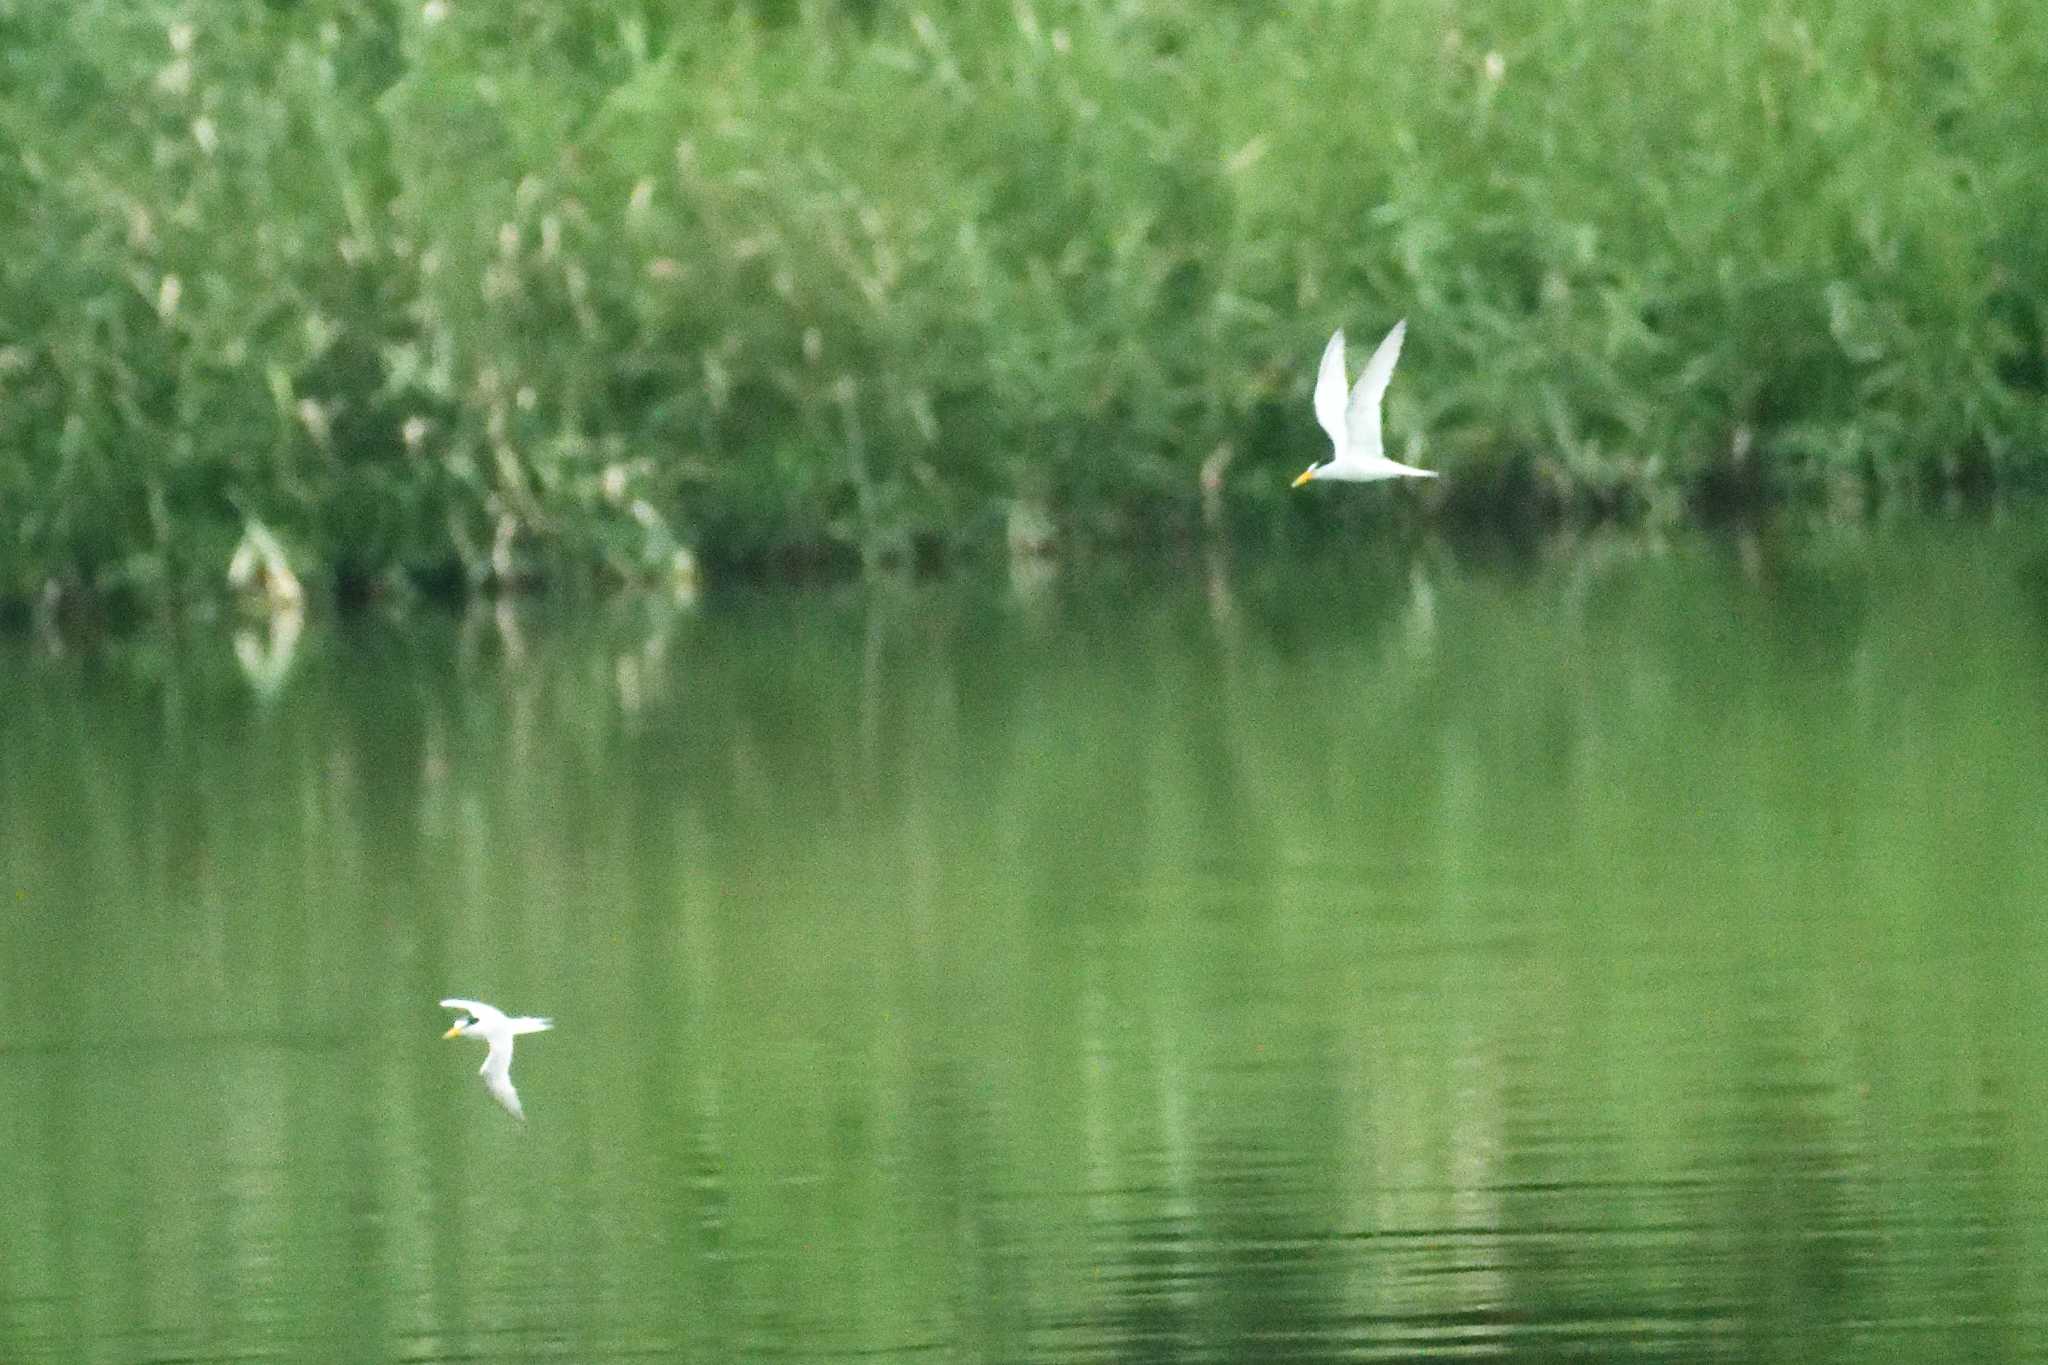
{"x":1330,"y":391}
{"x":1362,"y":418}
{"x":497,"y":1074}
{"x":484,"y":1013}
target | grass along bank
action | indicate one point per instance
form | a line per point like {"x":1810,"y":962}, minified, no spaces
{"x":446,"y":294}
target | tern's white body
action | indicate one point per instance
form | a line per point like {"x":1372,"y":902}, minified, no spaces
{"x":1354,"y":422}
{"x":491,"y":1024}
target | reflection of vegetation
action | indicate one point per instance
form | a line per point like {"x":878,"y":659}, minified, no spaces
{"x":2033,"y":583}
{"x":456,"y":293}
{"x":1570,"y":977}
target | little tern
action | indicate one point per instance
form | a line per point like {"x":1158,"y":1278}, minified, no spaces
{"x":1354,"y":426}
{"x":491,"y":1024}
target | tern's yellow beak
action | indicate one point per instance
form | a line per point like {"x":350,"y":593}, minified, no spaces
{"x":455,"y":1032}
{"x":1306,"y":475}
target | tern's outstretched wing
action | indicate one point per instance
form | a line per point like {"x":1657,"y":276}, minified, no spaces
{"x":1330,"y":391}
{"x":484,"y":1013}
{"x":1362,"y":418}
{"x":497,"y":1074}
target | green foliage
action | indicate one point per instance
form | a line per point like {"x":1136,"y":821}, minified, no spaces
{"x":458,"y":293}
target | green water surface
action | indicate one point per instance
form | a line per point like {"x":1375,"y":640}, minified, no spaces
{"x":1627,"y":950}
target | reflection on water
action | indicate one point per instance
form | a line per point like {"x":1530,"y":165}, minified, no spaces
{"x":1630,"y":952}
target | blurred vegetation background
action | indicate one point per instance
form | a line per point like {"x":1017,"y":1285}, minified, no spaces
{"x":451,"y":295}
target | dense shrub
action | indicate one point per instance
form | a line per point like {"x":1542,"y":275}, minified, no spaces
{"x":456,"y":292}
